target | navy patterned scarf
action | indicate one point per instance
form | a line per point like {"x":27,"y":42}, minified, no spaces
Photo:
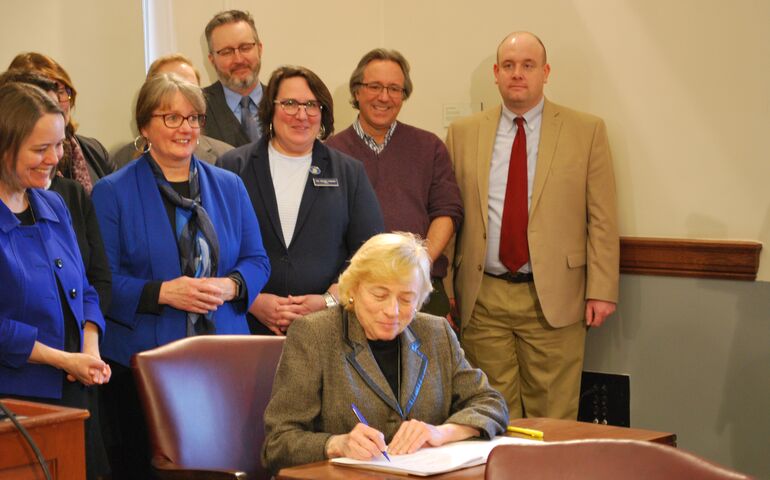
{"x":196,"y":237}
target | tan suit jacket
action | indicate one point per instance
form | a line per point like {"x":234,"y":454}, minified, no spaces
{"x":327,"y":365}
{"x":572,"y":230}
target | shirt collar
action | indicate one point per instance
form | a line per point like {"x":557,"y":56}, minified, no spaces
{"x":369,"y":140}
{"x":233,"y":99}
{"x":43,"y":211}
{"x":532,"y":118}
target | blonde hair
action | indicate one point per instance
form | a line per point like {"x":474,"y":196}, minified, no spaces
{"x":387,"y":257}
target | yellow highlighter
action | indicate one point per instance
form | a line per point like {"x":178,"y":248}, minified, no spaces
{"x":536,"y":434}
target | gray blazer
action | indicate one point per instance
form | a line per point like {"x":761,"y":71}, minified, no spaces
{"x":209,"y":150}
{"x":220,"y":121}
{"x":327,"y":365}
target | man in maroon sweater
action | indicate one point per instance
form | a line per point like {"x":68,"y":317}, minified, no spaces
{"x":409,"y":168}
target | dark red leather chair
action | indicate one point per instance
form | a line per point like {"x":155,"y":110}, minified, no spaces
{"x":204,"y":399}
{"x":601,"y":460}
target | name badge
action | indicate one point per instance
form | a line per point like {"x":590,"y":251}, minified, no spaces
{"x":326,"y":182}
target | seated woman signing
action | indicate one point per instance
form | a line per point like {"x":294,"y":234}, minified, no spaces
{"x":404,"y":370}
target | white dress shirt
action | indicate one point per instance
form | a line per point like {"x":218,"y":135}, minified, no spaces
{"x":498,"y":178}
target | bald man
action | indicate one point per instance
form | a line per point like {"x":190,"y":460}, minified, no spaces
{"x":536,"y":260}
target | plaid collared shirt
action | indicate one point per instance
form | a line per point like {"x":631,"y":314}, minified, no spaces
{"x":370,"y":142}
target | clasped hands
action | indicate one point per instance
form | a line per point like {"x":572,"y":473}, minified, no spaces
{"x":197,"y":295}
{"x":86,"y":368}
{"x":365,"y":443}
{"x":277,"y":313}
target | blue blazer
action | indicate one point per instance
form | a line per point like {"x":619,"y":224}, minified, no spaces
{"x":32,"y":260}
{"x":338,"y":212}
{"x":142,"y":247}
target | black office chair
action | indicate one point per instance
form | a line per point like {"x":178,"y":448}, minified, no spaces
{"x":601,"y":460}
{"x":204,"y":399}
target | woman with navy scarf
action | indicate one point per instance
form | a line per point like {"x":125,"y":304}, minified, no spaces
{"x":184,"y":249}
{"x":50,"y":321}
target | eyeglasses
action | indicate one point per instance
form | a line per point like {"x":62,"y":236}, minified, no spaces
{"x":291,"y":107}
{"x":64,"y":94}
{"x":174,"y":120}
{"x":244,"y":48}
{"x":394,"y":91}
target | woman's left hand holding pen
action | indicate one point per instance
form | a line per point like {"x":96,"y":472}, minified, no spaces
{"x":362,"y":443}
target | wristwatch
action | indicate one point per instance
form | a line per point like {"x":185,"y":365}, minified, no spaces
{"x":330,"y":300}
{"x":238,"y":285}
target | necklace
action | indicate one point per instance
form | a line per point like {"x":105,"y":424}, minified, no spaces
{"x":31,"y":210}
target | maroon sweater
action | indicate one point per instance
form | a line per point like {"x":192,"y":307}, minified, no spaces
{"x":413,"y":180}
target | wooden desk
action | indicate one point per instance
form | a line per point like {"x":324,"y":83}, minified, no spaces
{"x":58,"y":432}
{"x":554,"y":430}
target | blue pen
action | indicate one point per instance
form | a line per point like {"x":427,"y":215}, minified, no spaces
{"x":360,"y":417}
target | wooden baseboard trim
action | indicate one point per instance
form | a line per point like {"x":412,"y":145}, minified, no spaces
{"x":728,"y":259}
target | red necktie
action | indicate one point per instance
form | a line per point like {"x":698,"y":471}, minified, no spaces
{"x":514,"y":251}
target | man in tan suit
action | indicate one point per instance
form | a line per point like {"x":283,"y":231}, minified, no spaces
{"x":524,"y":326}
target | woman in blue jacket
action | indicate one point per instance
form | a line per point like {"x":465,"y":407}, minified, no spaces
{"x":184,"y":249}
{"x":50,"y":321}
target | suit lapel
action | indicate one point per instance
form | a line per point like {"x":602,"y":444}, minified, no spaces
{"x":259,"y":167}
{"x":361,"y":359}
{"x":414,"y":366}
{"x":486,"y":143}
{"x":230,"y":128}
{"x":321,"y":161}
{"x":549,"y":138}
{"x":164,"y":253}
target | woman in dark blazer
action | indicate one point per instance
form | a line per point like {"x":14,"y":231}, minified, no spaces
{"x":85,"y":159}
{"x":50,"y":322}
{"x":184,"y":249}
{"x":315,"y":204}
{"x":403,"y":370}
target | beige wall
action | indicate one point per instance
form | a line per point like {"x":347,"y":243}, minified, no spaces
{"x":100,"y":45}
{"x":684,"y":87}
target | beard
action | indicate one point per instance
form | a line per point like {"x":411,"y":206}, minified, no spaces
{"x":242,"y":83}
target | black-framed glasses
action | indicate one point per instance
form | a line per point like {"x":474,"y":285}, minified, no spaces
{"x":174,"y":120}
{"x":291,"y":107}
{"x":64,"y":94}
{"x":244,"y":48}
{"x":395,"y":91}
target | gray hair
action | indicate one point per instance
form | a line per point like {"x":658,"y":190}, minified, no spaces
{"x":228,"y":17}
{"x":357,"y":77}
{"x":157,"y":92}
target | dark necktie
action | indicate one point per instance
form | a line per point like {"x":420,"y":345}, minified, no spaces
{"x":249,"y":121}
{"x":514,"y":251}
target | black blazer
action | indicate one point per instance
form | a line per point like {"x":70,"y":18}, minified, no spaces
{"x":89,"y":237}
{"x":220,"y":121}
{"x":333,"y":221}
{"x":97,"y":158}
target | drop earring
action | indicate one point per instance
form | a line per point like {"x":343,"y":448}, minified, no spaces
{"x":139,"y":140}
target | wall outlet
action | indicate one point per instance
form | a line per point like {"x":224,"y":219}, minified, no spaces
{"x":605,"y":399}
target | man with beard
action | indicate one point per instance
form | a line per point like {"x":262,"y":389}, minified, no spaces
{"x":231,"y":103}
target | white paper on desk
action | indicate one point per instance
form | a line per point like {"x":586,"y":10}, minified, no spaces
{"x":434,"y":460}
